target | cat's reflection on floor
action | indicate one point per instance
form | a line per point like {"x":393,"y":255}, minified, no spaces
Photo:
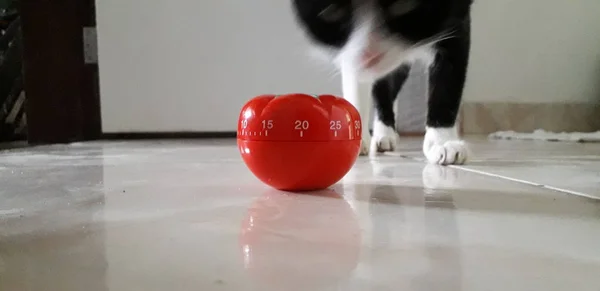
{"x":417,"y":228}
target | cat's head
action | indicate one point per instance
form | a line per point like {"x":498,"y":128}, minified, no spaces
{"x":375,"y":36}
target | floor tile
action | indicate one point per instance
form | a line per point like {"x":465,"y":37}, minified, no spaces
{"x":570,"y":167}
{"x":188,"y":215}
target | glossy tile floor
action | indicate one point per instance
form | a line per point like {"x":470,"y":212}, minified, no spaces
{"x":188,"y":215}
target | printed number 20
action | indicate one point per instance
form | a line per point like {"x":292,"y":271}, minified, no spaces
{"x":301,"y":124}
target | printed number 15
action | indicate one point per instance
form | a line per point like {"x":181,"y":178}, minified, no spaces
{"x":267,"y":124}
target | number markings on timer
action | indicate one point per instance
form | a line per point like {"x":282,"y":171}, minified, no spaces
{"x":266,"y":125}
{"x":357,"y":127}
{"x":335,"y":125}
{"x":244,"y":125}
{"x":301,"y":125}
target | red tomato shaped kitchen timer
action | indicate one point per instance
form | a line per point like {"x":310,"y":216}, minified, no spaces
{"x":299,"y":142}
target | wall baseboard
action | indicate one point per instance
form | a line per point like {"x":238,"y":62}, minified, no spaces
{"x":167,"y":135}
{"x":486,"y":118}
{"x":411,"y":133}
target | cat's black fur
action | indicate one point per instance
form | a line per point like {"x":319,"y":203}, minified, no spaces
{"x":445,"y":20}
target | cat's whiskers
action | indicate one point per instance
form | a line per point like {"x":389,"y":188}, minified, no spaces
{"x":435,"y":39}
{"x":317,"y":56}
{"x":333,"y":73}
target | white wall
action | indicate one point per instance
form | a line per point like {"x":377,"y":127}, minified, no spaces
{"x":189,"y":65}
{"x":535,"y":51}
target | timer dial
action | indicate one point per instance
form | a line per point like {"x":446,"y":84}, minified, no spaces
{"x":299,"y":141}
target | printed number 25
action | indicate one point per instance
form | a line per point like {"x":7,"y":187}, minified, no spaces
{"x":335,"y":125}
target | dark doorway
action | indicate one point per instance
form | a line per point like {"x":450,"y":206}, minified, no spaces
{"x":61,"y":87}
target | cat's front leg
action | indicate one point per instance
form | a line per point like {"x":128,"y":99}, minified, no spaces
{"x":358,"y":93}
{"x":385,"y":92}
{"x":442,"y":144}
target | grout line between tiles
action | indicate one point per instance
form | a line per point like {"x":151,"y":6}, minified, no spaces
{"x":566,"y":191}
{"x":576,"y":193}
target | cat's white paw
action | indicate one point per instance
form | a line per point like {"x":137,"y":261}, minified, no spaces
{"x":384,"y":139}
{"x":364,"y":145}
{"x":453,"y":152}
{"x":443,"y":147}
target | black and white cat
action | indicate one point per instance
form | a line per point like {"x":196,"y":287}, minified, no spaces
{"x":375,"y":42}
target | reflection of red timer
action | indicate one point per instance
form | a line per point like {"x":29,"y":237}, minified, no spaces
{"x":298,"y":141}
{"x":300,"y":243}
